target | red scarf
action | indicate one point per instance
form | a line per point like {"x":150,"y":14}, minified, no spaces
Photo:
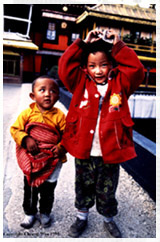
{"x":39,"y":167}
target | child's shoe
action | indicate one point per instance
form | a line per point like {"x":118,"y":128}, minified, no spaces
{"x":77,"y":228}
{"x":28,"y":221}
{"x":45,"y":220}
{"x":112,"y":229}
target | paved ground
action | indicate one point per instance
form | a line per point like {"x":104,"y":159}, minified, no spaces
{"x":137,"y":211}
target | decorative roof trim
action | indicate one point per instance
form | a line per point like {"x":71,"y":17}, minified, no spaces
{"x":115,"y":16}
{"x":55,"y":15}
{"x":19,"y":44}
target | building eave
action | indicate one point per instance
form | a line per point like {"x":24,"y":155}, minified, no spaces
{"x":56,"y":15}
{"x":86,"y":14}
{"x":120,"y":12}
{"x":17,"y":40}
{"x":20,"y":44}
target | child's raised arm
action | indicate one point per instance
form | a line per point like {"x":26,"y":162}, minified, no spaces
{"x":93,"y":36}
{"x":130,"y":68}
{"x":69,"y":67}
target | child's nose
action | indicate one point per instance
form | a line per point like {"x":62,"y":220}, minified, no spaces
{"x":98,"y":69}
{"x":47,"y":92}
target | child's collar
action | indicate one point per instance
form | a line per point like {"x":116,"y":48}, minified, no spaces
{"x":102,"y":84}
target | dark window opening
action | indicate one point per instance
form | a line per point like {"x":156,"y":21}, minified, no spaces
{"x":17,"y":18}
{"x":17,"y":10}
{"x":11,"y":65}
{"x":15,"y":26}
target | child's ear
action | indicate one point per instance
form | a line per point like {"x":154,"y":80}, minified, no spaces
{"x":31,"y":95}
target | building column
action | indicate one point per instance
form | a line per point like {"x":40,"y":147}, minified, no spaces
{"x":21,"y":67}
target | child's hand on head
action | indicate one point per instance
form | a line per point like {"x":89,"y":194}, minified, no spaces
{"x":115,"y":34}
{"x":92,"y":36}
{"x":31,"y":145}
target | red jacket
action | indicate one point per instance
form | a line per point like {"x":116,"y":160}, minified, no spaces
{"x":115,"y":128}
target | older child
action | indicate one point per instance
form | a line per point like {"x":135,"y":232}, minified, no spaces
{"x":98,"y":125}
{"x":37,"y":133}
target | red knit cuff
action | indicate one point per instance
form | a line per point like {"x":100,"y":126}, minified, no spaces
{"x":116,"y":48}
{"x":80,"y":43}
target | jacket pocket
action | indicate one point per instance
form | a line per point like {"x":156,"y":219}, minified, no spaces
{"x":72,"y":127}
{"x":123,"y":132}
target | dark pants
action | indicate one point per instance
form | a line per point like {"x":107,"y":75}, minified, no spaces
{"x":46,"y":197}
{"x":96,"y":180}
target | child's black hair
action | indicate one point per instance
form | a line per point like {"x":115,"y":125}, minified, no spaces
{"x":94,"y":47}
{"x":42,"y":77}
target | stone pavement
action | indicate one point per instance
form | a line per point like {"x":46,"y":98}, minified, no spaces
{"x":137,"y":211}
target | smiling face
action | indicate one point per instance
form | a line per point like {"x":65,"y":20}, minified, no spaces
{"x":98,"y":66}
{"x":45,"y":93}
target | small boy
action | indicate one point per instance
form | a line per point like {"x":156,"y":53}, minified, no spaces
{"x":98,"y":125}
{"x":37,"y":133}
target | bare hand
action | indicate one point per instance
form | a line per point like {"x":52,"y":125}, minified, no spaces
{"x":113,"y":33}
{"x":56,"y":151}
{"x":31,"y":145}
{"x":92,"y":36}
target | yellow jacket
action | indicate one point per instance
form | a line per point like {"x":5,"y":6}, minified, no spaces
{"x":54,"y":117}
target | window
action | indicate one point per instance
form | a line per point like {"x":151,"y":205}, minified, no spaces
{"x":51,"y":32}
{"x":11,"y":65}
{"x":17,"y":18}
{"x":74,"y":36}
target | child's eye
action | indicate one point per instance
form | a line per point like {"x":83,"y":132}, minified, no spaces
{"x":42,"y":90}
{"x":53,"y":91}
{"x":104,"y":64}
{"x":91,"y":66}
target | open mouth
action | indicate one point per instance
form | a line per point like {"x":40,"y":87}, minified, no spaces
{"x":99,"y":78}
{"x":47,"y":101}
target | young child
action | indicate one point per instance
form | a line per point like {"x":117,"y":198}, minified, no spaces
{"x":37,"y":133}
{"x":98,"y":125}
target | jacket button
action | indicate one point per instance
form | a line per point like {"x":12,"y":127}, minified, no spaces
{"x":96,"y":95}
{"x":91,"y":131}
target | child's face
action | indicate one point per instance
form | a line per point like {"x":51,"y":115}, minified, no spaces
{"x":98,"y":66}
{"x":45,"y":93}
